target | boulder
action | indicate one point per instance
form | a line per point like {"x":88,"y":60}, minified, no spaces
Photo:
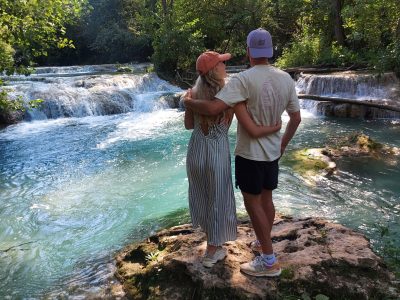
{"x":319,"y":259}
{"x":173,"y":100}
{"x":11,"y":117}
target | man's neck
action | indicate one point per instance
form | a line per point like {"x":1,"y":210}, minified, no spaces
{"x":258,"y":61}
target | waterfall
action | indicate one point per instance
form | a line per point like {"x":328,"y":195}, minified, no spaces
{"x":380,"y":89}
{"x":75,"y":94}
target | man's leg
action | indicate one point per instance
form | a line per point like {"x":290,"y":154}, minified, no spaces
{"x":260,"y":220}
{"x":260,"y":266}
{"x":268,"y":206}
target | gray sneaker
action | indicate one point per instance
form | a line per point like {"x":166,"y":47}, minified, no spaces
{"x":209,"y":261}
{"x":258,"y":267}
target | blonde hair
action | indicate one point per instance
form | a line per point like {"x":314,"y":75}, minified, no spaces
{"x":206,"y":87}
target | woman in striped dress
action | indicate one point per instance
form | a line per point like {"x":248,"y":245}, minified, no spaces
{"x":208,"y":163}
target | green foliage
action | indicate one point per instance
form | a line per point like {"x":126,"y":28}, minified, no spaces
{"x":288,"y":273}
{"x":174,"y":32}
{"x":9,"y":105}
{"x":175,"y":47}
{"x":390,"y":247}
{"x":371,"y":35}
{"x":321,"y":297}
{"x":304,"y":51}
{"x":152,"y":256}
{"x":28,"y":29}
{"x":113,"y":34}
{"x":390,"y":58}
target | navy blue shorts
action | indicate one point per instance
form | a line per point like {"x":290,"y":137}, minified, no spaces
{"x":253,"y":176}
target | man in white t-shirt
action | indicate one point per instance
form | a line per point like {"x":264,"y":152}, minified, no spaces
{"x":268,"y":92}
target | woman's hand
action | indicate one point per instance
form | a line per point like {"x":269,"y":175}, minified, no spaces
{"x":187,"y":97}
{"x":276,"y":127}
{"x":253,"y":129}
{"x":227,"y":118}
{"x":189,"y":117}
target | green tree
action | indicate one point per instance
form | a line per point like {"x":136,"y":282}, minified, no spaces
{"x":28,"y":29}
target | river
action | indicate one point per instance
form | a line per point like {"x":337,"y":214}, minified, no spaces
{"x":83,"y":178}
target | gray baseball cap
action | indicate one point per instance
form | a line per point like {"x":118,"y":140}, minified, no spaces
{"x":259,"y":42}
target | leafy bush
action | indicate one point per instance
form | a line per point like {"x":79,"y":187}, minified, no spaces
{"x":8,"y":105}
{"x":176,"y":46}
{"x":304,"y":51}
{"x":390,"y":58}
{"x":311,"y":50}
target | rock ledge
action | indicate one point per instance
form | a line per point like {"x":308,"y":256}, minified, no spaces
{"x":317,"y":257}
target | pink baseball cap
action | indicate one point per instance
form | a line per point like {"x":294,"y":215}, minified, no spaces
{"x":259,"y":42}
{"x":209,"y":59}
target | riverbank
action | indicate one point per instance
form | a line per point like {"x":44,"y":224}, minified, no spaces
{"x":318,"y":258}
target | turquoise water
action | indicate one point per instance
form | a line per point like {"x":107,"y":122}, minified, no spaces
{"x":74,"y":191}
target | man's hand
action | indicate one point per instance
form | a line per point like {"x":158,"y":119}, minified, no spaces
{"x":291,"y":127}
{"x":283,"y":147}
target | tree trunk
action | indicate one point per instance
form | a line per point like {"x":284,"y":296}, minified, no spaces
{"x":338,"y":22}
{"x":349,"y":101}
{"x":164,"y":7}
{"x":167,"y":6}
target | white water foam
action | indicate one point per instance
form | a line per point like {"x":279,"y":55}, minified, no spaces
{"x":142,"y":126}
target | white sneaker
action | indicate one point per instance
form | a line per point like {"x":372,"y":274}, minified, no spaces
{"x":258,"y":267}
{"x":209,"y":261}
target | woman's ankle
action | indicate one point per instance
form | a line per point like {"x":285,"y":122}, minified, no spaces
{"x":211,"y":249}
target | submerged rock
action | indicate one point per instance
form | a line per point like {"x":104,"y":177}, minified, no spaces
{"x":359,"y":144}
{"x":318,"y":258}
{"x":311,"y":164}
{"x":315,"y":163}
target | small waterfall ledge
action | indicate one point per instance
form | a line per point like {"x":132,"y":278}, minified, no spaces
{"x":383,"y":89}
{"x":80,"y":95}
{"x":80,"y":91}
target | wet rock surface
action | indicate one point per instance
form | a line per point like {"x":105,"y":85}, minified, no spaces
{"x":314,"y":163}
{"x":317,"y":257}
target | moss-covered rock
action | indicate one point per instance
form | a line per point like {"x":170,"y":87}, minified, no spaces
{"x":313,"y":164}
{"x":125,"y":69}
{"x":359,"y":144}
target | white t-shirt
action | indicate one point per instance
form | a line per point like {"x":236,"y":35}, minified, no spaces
{"x":269,"y":92}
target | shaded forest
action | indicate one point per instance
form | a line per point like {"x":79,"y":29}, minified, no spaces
{"x":171,"y":33}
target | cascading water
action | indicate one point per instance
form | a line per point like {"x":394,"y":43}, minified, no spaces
{"x":381,"y":89}
{"x":75,"y":190}
{"x":94,"y":95}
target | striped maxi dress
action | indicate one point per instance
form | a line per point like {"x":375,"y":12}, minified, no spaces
{"x":211,"y":197}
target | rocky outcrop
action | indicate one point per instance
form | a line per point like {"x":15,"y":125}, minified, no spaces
{"x":173,"y":100}
{"x":359,"y":144}
{"x":314,"y":163}
{"x":318,"y":258}
{"x":331,"y":109}
{"x":11,"y":117}
{"x":311,"y":164}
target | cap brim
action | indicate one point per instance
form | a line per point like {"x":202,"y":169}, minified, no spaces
{"x":265,"y":52}
{"x":224,"y":57}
